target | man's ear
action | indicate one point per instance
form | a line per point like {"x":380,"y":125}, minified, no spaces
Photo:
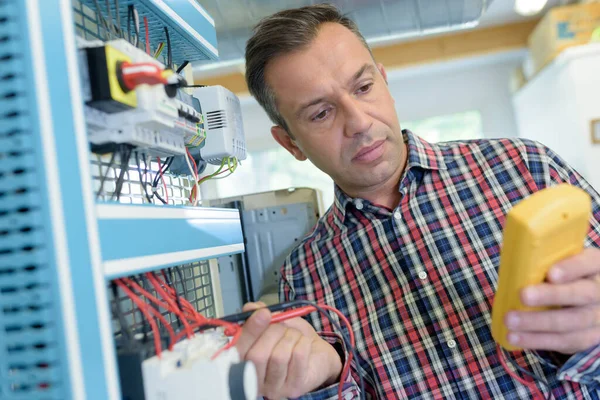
{"x":383,"y":72}
{"x":286,"y":141}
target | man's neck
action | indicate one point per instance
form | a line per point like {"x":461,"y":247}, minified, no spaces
{"x":386,"y":194}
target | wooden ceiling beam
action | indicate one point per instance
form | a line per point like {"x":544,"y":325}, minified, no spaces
{"x":452,"y":46}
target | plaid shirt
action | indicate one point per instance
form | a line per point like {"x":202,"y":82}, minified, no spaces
{"x":417,"y":282}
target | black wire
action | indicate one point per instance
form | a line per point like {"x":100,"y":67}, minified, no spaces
{"x":164,"y":167}
{"x":119,"y":31}
{"x":132,"y":17}
{"x":125,"y":154}
{"x":182,"y":66}
{"x":169,"y":278}
{"x":532,"y":375}
{"x":113,"y":28}
{"x":345,"y":338}
{"x":137,"y":163}
{"x":159,"y":197}
{"x":146,"y":174}
{"x":145,"y":324}
{"x":121,"y":177}
{"x":169,"y":53}
{"x":101,"y":17}
{"x":105,"y":175}
{"x":193,"y":86}
{"x":129,"y":19}
{"x":182,"y":280}
{"x":118,"y":310}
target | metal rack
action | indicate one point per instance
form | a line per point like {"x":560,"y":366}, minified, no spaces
{"x":58,"y":248}
{"x":192,"y":44}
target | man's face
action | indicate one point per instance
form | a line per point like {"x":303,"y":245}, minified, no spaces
{"x":339,"y":110}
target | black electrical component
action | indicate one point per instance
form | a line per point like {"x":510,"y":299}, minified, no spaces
{"x":179,"y":165}
{"x":130,"y":374}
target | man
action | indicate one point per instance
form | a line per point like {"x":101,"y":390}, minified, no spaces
{"x":409,"y":251}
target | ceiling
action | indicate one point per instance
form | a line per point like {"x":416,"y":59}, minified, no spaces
{"x":380,"y":21}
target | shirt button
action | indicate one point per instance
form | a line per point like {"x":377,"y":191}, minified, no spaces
{"x":358,"y":204}
{"x":451,"y":344}
{"x":422,"y":275}
{"x":397,"y":215}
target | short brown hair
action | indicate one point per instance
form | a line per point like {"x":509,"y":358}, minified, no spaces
{"x":280,"y":34}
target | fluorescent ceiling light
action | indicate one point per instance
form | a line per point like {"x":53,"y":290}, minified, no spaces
{"x":529,"y":7}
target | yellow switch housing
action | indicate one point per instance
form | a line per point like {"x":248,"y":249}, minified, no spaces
{"x":540,"y":231}
{"x":107,"y":93}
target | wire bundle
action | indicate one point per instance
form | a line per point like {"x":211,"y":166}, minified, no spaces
{"x":159,"y":177}
{"x":228,"y":164}
{"x":167,"y":300}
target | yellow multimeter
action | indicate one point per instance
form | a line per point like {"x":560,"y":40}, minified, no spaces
{"x":540,"y":231}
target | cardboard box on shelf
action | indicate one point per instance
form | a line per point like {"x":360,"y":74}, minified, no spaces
{"x":560,"y":28}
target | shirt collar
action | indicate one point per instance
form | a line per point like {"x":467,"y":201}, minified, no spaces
{"x":421,"y":154}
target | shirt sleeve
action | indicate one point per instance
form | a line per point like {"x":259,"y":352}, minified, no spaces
{"x":582,"y":367}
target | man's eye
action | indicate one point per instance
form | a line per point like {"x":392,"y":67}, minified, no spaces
{"x":321,"y":115}
{"x":365,"y":88}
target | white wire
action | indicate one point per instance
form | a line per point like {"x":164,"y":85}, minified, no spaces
{"x":195,"y":177}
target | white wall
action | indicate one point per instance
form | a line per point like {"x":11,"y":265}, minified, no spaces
{"x":480,"y":83}
{"x":556,"y":108}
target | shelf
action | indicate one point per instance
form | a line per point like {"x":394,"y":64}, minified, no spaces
{"x":141,"y":238}
{"x":192,"y":31}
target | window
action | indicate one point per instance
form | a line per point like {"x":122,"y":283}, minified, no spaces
{"x":272,"y":170}
{"x":443,"y":128}
{"x":276,"y":169}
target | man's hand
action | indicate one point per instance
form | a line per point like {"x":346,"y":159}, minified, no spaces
{"x":291,"y":358}
{"x":573,"y":286}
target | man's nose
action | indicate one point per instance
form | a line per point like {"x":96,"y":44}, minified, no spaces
{"x":357,"y":120}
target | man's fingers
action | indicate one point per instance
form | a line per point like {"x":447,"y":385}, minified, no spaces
{"x":253,"y":306}
{"x":579,"y":293}
{"x":298,"y":367}
{"x":277,"y":367}
{"x":261,"y":351}
{"x":583,"y":265}
{"x":560,"y":320}
{"x":568,"y":343}
{"x":252,"y":330}
{"x":301,"y":325}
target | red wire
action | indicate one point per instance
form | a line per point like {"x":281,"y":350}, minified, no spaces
{"x":145,"y":293}
{"x":193,"y":192}
{"x":193,"y":162}
{"x":186,"y":304}
{"x":147,"y":35}
{"x":171,"y":306}
{"x":162,"y":178}
{"x":169,"y":301}
{"x":346,"y":369}
{"x":154,"y":311}
{"x":143,"y":309}
{"x":530,"y":384}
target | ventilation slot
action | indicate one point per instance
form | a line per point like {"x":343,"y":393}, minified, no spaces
{"x":17,"y":348}
{"x":216,"y":119}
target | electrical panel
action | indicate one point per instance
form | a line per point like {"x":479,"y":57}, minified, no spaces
{"x":158,"y":119}
{"x":81,"y":75}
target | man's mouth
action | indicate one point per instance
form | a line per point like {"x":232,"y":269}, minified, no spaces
{"x":370,"y":153}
